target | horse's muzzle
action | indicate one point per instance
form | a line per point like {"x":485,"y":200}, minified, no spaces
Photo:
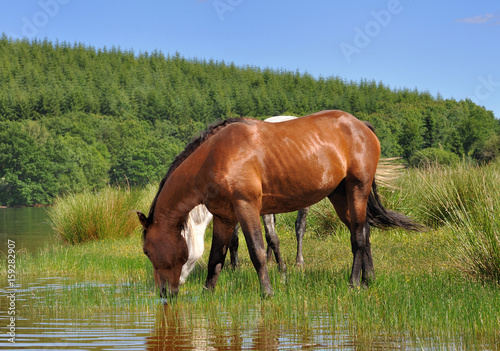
{"x":166,"y":293}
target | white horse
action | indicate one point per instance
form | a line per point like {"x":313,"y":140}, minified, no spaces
{"x":199,"y":218}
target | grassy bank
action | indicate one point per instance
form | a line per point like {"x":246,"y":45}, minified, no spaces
{"x":466,"y":200}
{"x":426,"y":291}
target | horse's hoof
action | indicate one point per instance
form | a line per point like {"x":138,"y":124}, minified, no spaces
{"x":300,"y":263}
{"x":267,"y":294}
{"x":354,"y":287}
{"x":207,"y":290}
{"x":368,"y":279}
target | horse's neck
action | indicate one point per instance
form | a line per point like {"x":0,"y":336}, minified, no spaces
{"x":194,"y":230}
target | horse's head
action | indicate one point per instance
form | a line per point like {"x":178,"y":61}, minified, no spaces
{"x":168,"y":252}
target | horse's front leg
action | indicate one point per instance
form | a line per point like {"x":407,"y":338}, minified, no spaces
{"x":233,"y":247}
{"x":222,"y":234}
{"x":300,"y":229}
{"x":273,"y":242}
{"x":248,"y":216}
{"x":269,"y":221}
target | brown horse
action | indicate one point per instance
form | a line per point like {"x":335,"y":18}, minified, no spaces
{"x":243,"y":168}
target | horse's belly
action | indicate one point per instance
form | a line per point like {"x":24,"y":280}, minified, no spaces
{"x":283,"y":197}
{"x":298,"y":183}
{"x":282,"y":204}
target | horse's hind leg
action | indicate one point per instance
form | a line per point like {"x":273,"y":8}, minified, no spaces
{"x":339,"y":201}
{"x":300,"y":229}
{"x":222,"y":234}
{"x":273,"y":241}
{"x":357,"y":198}
{"x":350,"y":200}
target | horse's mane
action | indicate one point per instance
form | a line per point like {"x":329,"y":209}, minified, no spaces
{"x":190,"y":148}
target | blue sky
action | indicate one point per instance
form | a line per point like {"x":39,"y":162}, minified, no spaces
{"x":450,"y":48}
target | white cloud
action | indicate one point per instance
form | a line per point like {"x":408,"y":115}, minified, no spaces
{"x":480,"y":19}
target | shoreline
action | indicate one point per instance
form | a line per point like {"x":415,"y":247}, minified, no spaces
{"x":37,"y":206}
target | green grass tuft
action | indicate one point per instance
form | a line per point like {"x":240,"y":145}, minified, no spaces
{"x":466,"y":199}
{"x":106,"y":214}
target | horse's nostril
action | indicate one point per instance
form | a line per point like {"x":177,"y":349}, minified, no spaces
{"x":163,"y":293}
{"x":168,"y":293}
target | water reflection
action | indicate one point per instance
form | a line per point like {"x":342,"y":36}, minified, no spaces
{"x":174,"y":331}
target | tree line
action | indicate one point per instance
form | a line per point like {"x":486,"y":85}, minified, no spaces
{"x":75,"y":117}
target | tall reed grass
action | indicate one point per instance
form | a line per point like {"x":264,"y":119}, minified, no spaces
{"x":466,"y":199}
{"x":107,"y":213}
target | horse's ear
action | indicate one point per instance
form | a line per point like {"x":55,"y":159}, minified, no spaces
{"x":143,"y":219}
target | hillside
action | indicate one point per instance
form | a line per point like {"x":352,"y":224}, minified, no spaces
{"x":75,"y":117}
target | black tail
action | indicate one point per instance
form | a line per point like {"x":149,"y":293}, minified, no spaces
{"x":378,"y":216}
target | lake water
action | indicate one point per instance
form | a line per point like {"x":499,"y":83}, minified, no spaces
{"x":170,"y":328}
{"x":27,"y":226}
{"x":161,"y":328}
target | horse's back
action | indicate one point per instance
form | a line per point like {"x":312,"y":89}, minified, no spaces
{"x":298,"y":162}
{"x":321,"y":133}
